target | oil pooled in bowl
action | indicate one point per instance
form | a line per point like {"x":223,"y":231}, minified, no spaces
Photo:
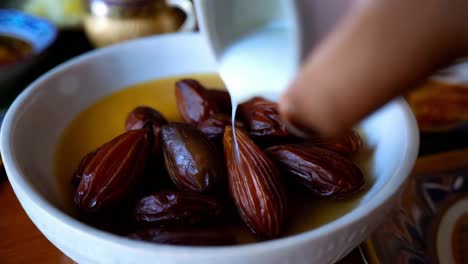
{"x":105,"y":119}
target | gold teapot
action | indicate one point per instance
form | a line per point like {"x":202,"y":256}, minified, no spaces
{"x":112,"y":21}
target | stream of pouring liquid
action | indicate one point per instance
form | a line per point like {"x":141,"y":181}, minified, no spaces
{"x":259,"y":64}
{"x":233,"y":121}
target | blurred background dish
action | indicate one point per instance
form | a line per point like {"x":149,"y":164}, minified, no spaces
{"x":108,"y":22}
{"x":440,"y":106}
{"x":111,"y":21}
{"x":23,"y":39}
{"x":63,"y":13}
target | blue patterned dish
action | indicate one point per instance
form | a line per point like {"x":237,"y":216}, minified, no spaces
{"x":37,"y":32}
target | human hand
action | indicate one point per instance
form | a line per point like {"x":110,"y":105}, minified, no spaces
{"x":378,"y":50}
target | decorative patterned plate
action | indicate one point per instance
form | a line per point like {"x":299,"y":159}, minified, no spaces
{"x":37,"y":32}
{"x":430,"y":221}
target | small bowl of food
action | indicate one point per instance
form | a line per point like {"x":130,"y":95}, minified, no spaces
{"x":128,"y":155}
{"x":22,"y":39}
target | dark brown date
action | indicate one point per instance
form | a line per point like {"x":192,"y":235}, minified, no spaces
{"x":214,"y":126}
{"x":346,"y":145}
{"x":323,"y":172}
{"x":177,"y":209}
{"x":116,"y":218}
{"x":78,"y":174}
{"x":255,"y":185}
{"x":185,"y":236}
{"x":192,"y":160}
{"x":114,"y":171}
{"x":156,"y":177}
{"x":194,"y":102}
{"x":137,"y":118}
{"x":141,"y":115}
{"x":222,"y":99}
{"x":262,"y":119}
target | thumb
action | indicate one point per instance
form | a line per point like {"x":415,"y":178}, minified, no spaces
{"x":380,"y":49}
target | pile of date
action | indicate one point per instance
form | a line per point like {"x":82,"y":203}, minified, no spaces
{"x":183,"y":183}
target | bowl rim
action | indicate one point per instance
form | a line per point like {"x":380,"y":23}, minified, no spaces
{"x":15,"y":175}
{"x":35,"y":53}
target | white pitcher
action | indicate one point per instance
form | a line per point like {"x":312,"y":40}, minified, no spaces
{"x":260,"y":44}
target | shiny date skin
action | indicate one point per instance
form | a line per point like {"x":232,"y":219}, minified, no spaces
{"x":324,"y":173}
{"x":347,"y":144}
{"x":78,"y":174}
{"x":194,"y":102}
{"x":262,"y":119}
{"x":184,"y":236}
{"x":115,"y":171}
{"x":142,"y":115}
{"x":255,"y":185}
{"x":214,"y":126}
{"x":137,"y":118}
{"x":192,"y":160}
{"x":174,"y":208}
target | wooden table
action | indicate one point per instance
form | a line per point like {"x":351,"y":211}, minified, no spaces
{"x":21,"y":241}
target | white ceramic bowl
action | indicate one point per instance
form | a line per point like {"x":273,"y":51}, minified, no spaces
{"x":37,"y":118}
